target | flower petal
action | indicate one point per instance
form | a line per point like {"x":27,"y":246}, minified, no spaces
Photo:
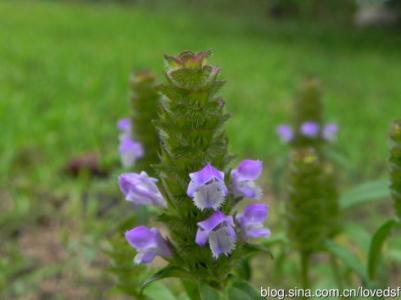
{"x":258,"y":232}
{"x":210,"y":195}
{"x":144,"y":257}
{"x":310,"y":129}
{"x":130,"y":151}
{"x":124,"y":125}
{"x":213,"y":221}
{"x":202,"y":237}
{"x":247,"y":189}
{"x":206,"y":174}
{"x":255,"y":213}
{"x":141,"y":189}
{"x":251,"y":221}
{"x":192,"y":188}
{"x":285,"y":132}
{"x":330,"y":131}
{"x":248,"y":170}
{"x":222,"y":241}
{"x":162,"y":247}
{"x":141,"y":237}
{"x":243,"y":179}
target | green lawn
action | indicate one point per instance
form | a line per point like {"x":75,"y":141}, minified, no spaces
{"x":63,"y":84}
{"x":64,"y":71}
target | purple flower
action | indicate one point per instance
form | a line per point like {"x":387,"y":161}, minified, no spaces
{"x":148,"y":242}
{"x":141,"y":189}
{"x":330,"y":132}
{"x":207,"y":188}
{"x":251,"y":221}
{"x":310,"y":129}
{"x":130,"y":151}
{"x":243,"y":178}
{"x":125,"y":127}
{"x":285,"y":132}
{"x":219,"y":231}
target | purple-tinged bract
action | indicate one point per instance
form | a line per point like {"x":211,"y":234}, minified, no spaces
{"x":310,"y":129}
{"x":148,"y":242}
{"x":207,"y":188}
{"x":285,"y":132}
{"x":130,"y":151}
{"x":330,"y":132}
{"x":251,"y":221}
{"x":188,"y":60}
{"x":218,"y":231}
{"x":141,"y":189}
{"x":243,"y":179}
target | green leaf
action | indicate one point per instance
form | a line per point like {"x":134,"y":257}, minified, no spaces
{"x":278,"y":173}
{"x":274,"y":240}
{"x":242,"y":290}
{"x":166,"y":272}
{"x":209,"y":293}
{"x":159,"y":291}
{"x":191,"y":288}
{"x":183,"y":296}
{"x":359,"y":235}
{"x":347,"y":258}
{"x":243,"y":269}
{"x":337,"y":157}
{"x":376,"y":246}
{"x":249,"y":250}
{"x":365,"y":193}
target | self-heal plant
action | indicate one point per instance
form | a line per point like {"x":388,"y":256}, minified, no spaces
{"x":306,"y":217}
{"x":386,"y":229}
{"x":311,"y":186}
{"x":138,"y":149}
{"x":203,"y":237}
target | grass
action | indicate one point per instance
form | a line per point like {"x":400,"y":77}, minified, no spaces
{"x":63,"y":84}
{"x":64,"y":72}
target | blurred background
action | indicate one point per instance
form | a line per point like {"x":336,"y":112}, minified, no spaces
{"x":64,"y":69}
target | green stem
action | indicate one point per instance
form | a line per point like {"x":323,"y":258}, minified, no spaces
{"x":305,"y":271}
